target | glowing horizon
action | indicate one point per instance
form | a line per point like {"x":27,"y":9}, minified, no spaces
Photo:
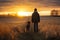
{"x":26,"y":10}
{"x":23,"y":13}
{"x":26,"y":6}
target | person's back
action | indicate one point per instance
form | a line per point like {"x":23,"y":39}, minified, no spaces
{"x":35,"y":17}
{"x":35,"y":20}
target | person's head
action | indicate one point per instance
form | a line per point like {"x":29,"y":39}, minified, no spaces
{"x":28,"y":22}
{"x":35,"y":9}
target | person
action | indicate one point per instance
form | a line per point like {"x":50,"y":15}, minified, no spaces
{"x":28,"y":26}
{"x":35,"y":19}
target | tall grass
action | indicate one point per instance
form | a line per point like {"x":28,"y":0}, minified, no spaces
{"x":48,"y":30}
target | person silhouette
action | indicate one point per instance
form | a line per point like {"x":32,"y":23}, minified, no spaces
{"x":28,"y":26}
{"x":35,"y":19}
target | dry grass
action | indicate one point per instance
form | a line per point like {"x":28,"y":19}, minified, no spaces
{"x":47,"y":27}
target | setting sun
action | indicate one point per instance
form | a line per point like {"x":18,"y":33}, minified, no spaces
{"x":22,"y":14}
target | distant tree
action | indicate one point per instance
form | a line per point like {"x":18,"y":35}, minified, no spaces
{"x":54,"y":12}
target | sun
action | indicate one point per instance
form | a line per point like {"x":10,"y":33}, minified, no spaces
{"x":21,"y":13}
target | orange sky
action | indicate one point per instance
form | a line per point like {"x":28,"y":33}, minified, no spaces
{"x":44,"y":6}
{"x":28,"y":8}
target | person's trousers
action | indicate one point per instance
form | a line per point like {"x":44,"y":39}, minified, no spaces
{"x":35,"y":27}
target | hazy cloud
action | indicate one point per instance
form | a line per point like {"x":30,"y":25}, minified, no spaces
{"x":5,"y":2}
{"x":47,"y":2}
{"x":43,"y":3}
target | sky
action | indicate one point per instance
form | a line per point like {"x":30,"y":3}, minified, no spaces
{"x":29,"y":5}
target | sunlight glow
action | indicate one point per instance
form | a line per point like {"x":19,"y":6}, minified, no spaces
{"x":43,"y":13}
{"x":22,"y":14}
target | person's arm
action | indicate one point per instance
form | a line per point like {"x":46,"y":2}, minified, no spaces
{"x":38,"y":18}
{"x":32,"y":18}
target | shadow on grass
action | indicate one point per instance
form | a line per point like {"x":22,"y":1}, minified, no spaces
{"x":30,"y":36}
{"x":5,"y":37}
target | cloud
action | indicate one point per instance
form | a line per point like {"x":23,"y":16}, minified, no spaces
{"x":53,"y":3}
{"x":38,"y":3}
{"x":41,"y":2}
{"x":5,"y":2}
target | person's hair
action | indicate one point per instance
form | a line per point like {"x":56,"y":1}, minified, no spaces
{"x":28,"y":22}
{"x":35,"y":9}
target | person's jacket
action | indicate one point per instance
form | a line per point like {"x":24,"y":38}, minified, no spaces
{"x":35,"y":17}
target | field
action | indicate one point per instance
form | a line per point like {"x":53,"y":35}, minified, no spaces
{"x":15,"y":29}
